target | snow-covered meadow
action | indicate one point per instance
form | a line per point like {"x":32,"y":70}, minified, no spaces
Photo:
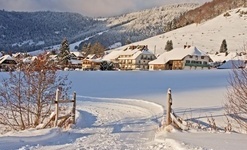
{"x":122,"y":110}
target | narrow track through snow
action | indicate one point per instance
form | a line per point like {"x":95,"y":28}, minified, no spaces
{"x":104,"y":123}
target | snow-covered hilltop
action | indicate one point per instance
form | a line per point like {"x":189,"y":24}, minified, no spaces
{"x":151,"y":19}
{"x":208,"y":36}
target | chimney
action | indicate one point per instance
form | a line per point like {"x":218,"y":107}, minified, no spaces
{"x":189,"y":46}
{"x":185,"y":46}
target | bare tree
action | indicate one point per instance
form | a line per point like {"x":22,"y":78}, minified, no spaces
{"x":236,"y":105}
{"x":26,"y":95}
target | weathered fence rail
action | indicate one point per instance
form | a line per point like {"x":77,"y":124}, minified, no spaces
{"x":171,"y":117}
{"x":60,"y":120}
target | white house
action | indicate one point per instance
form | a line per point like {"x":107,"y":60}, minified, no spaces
{"x":113,"y":57}
{"x":135,"y":57}
{"x":181,"y":58}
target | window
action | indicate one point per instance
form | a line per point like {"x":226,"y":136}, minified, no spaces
{"x":187,"y":61}
{"x":196,"y":57}
{"x":205,"y":63}
{"x":191,"y":56}
{"x":202,"y":57}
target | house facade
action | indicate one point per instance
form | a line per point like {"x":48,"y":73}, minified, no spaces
{"x":77,"y":55}
{"x":135,"y":58}
{"x":91,"y":64}
{"x":186,"y":58}
{"x":196,"y":62}
{"x":113,"y":57}
{"x":7,"y":63}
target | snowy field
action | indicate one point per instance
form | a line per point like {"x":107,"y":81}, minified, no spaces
{"x":122,"y":110}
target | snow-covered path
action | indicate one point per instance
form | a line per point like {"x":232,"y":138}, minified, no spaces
{"x":130,"y":121}
{"x":102,"y":123}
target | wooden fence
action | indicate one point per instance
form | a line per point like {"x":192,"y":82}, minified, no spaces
{"x":171,"y":117}
{"x":65,"y":118}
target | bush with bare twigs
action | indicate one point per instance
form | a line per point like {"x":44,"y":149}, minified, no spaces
{"x":236,"y":104}
{"x":26,"y":95}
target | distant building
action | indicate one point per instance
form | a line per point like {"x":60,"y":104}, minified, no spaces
{"x":113,"y":57}
{"x":7,"y":63}
{"x":91,"y":64}
{"x":77,"y":55}
{"x":135,"y":58}
{"x":181,"y":58}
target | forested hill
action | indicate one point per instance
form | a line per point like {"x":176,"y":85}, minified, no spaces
{"x":28,"y":31}
{"x":34,"y":30}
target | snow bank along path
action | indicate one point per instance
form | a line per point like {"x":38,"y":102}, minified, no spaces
{"x":102,"y":123}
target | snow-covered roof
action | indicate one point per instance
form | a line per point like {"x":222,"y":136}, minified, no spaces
{"x":17,"y":54}
{"x":90,"y":56}
{"x":75,"y":61}
{"x":77,"y":54}
{"x":178,"y":54}
{"x":6,"y":57}
{"x":29,"y":59}
{"x":233,"y":64}
{"x":112,"y":55}
{"x":135,"y":51}
{"x":95,"y":60}
{"x":222,"y":57}
{"x":147,"y":52}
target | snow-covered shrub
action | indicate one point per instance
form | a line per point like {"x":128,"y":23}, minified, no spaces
{"x":236,"y":104}
{"x":26,"y":95}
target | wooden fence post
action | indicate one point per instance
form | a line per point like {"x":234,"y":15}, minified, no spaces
{"x":74,"y":108}
{"x":168,"y":107}
{"x":56,"y":107}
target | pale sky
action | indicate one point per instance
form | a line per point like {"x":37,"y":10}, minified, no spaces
{"x":87,"y":7}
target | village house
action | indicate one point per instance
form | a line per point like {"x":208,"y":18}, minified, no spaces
{"x":91,"y":64}
{"x":29,"y":59}
{"x":181,"y":58}
{"x":75,"y":64}
{"x":113,"y":57}
{"x":77,"y":55}
{"x":7,"y":63}
{"x":135,"y":58}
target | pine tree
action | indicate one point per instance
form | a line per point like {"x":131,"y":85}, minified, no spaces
{"x":223,"y":47}
{"x":64,"y":52}
{"x":169,"y":45}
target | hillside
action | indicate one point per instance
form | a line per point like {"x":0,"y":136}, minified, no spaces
{"x":28,"y":31}
{"x":140,"y":25}
{"x":208,"y":35}
{"x":34,"y":30}
{"x":205,"y":12}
